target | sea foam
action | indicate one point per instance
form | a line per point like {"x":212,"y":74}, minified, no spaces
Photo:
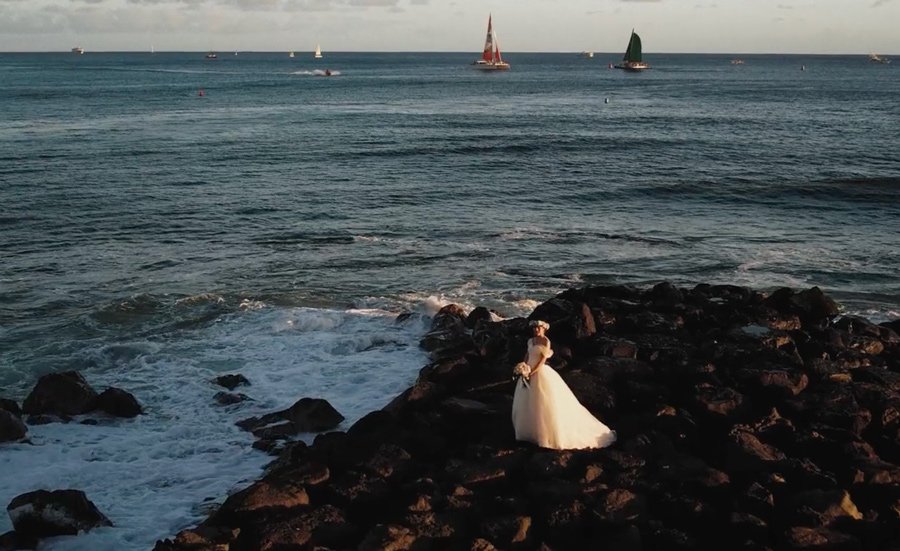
{"x":162,"y":471}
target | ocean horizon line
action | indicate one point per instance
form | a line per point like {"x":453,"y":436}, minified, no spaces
{"x":508,"y":52}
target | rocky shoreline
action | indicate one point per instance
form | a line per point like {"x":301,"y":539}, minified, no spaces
{"x":745,"y":421}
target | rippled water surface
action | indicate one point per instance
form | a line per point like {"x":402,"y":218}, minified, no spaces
{"x":153,"y":237}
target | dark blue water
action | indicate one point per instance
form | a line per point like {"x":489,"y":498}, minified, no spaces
{"x":151,"y":237}
{"x":410,"y":175}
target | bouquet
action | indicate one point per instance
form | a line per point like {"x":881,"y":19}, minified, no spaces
{"x":522,"y":371}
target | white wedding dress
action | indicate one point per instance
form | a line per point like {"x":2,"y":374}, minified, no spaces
{"x":546,"y":412}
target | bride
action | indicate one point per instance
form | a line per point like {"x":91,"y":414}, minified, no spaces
{"x":544,"y":410}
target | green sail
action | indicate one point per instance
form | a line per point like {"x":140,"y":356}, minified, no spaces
{"x":633,"y":53}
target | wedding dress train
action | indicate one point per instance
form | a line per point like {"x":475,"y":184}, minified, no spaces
{"x":546,"y":412}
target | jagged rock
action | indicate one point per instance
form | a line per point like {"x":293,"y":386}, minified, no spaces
{"x":823,"y":507}
{"x":11,"y":427}
{"x":43,"y":514}
{"x":388,"y":538}
{"x":507,"y":530}
{"x":479,"y":314}
{"x":118,"y":402}
{"x":746,"y":453}
{"x":261,"y":497}
{"x":740,"y":418}
{"x":231,"y":381}
{"x":306,"y":415}
{"x":451,"y":316}
{"x":818,"y":539}
{"x":620,"y":506}
{"x":64,"y":393}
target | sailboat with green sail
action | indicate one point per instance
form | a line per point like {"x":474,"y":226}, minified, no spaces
{"x":633,"y":60}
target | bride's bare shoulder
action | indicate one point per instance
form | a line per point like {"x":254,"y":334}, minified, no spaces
{"x":539,"y":340}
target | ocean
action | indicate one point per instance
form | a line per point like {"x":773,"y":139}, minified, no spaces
{"x":165,"y":218}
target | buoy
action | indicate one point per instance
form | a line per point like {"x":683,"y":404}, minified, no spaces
{"x":610,"y":65}
{"x":201,"y":93}
{"x":606,"y":100}
{"x":803,"y":67}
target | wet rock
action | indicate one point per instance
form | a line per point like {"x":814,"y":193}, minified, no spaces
{"x":43,"y":514}
{"x":230,"y":398}
{"x":12,"y":428}
{"x":451,"y":316}
{"x":10,"y":406}
{"x":306,"y":415}
{"x":742,"y":422}
{"x":64,"y":393}
{"x":231,"y":381}
{"x":10,"y":541}
{"x":118,"y":402}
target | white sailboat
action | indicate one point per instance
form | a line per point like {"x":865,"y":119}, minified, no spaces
{"x":491,"y":59}
{"x":318,"y":54}
{"x":291,"y":53}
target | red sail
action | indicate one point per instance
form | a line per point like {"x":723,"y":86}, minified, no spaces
{"x":488,"y":54}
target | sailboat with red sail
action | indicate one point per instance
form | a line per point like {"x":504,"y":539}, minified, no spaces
{"x":491,"y":60}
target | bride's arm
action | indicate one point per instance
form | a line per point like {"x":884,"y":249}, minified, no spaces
{"x":544,"y":343}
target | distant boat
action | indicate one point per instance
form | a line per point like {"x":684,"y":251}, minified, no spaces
{"x":78,"y":50}
{"x":737,"y":61}
{"x":875,"y":58}
{"x":211,"y":55}
{"x":491,"y":59}
{"x":318,"y":54}
{"x":291,"y":53}
{"x":152,"y":51}
{"x":588,"y":55}
{"x":633,"y":59}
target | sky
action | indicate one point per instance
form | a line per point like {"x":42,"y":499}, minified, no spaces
{"x":665,"y":26}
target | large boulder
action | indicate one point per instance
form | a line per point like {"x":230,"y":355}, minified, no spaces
{"x":64,"y":393}
{"x":231,"y":381}
{"x":306,"y":415}
{"x":10,"y":406}
{"x":118,"y":402}
{"x":44,"y":514}
{"x":11,"y":427}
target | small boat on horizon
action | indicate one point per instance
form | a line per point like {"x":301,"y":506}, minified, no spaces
{"x":589,"y":55}
{"x":291,"y":53}
{"x":633,"y":60}
{"x":318,"y":54}
{"x":211,"y":55}
{"x":78,"y":50}
{"x":737,"y":61}
{"x":491,"y":59}
{"x":875,"y":58}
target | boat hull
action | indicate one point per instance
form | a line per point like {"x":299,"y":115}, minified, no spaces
{"x":502,"y":66}
{"x":633,"y":66}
